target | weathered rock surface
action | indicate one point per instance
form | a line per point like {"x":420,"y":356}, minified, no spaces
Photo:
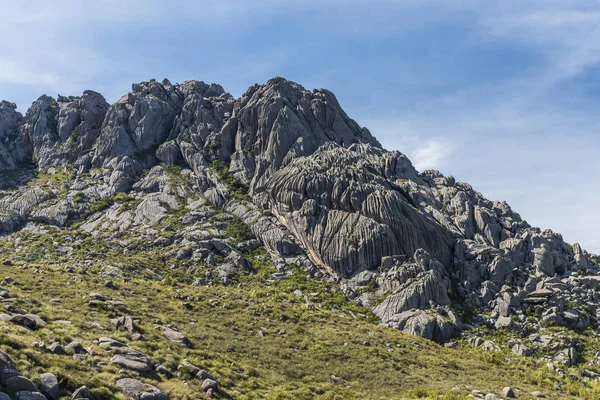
{"x":310,"y":184}
{"x":177,"y":337}
{"x":49,"y":386}
{"x":82,"y":393}
{"x":421,"y":323}
{"x":132,"y":360}
{"x":137,"y":390}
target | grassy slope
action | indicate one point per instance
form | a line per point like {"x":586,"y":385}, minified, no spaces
{"x":325,"y":353}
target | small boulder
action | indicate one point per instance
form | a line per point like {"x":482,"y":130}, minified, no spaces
{"x":522,"y":350}
{"x":109,"y":342}
{"x":161,"y":369}
{"x":56,"y":348}
{"x":210,"y":384}
{"x":504,"y":322}
{"x":177,"y":337}
{"x":82,"y":393}
{"x":138,"y":337}
{"x":29,"y":321}
{"x":92,"y":325}
{"x":49,"y":386}
{"x":133,"y":361}
{"x":508,"y":392}
{"x":135,"y":389}
{"x":203,"y":374}
{"x":97,"y":296}
{"x":125,"y":323}
{"x":75,"y":348}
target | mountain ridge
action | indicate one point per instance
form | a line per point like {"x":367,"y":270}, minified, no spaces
{"x":202,"y":173}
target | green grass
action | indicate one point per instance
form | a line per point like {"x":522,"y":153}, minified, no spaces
{"x":105,"y":202}
{"x":334,"y":352}
{"x":237,"y":190}
{"x":238,"y":230}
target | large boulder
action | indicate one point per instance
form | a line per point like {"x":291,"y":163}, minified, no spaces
{"x":132,"y":360}
{"x":425,"y":324}
{"x":177,"y":337}
{"x":419,"y":292}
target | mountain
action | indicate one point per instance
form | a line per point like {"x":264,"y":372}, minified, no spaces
{"x":182,"y":187}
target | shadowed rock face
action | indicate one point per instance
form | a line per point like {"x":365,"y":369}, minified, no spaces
{"x":307,"y":179}
{"x":13,"y":163}
{"x":10,"y":121}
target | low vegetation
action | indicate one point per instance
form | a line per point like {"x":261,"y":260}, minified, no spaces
{"x":256,"y":335}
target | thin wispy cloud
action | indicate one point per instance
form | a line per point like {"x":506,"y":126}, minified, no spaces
{"x":431,"y":154}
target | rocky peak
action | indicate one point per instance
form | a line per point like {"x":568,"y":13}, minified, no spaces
{"x":56,"y":132}
{"x":280,"y":121}
{"x":308,"y":180}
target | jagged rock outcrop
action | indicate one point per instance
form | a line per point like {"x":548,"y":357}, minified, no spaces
{"x":10,"y":122}
{"x":427,"y":288}
{"x":14,"y":166}
{"x":346,"y":208}
{"x":281,"y":121}
{"x":312,"y":186}
{"x":59,"y":132}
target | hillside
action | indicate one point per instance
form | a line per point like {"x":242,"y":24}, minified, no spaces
{"x":182,"y":243}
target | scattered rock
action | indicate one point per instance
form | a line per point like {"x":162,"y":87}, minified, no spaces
{"x":75,"y":348}
{"x":209,"y":384}
{"x":133,"y":361}
{"x":508,"y":392}
{"x":97,"y":296}
{"x":135,"y":389}
{"x":49,"y":386}
{"x":177,"y":337}
{"x":56,"y":348}
{"x":82,"y":393}
{"x":92,"y":326}
{"x":109,"y":342}
{"x":29,"y":321}
{"x":522,"y":350}
{"x":161,"y":369}
{"x":125,"y":323}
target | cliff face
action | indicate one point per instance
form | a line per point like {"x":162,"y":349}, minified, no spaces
{"x":312,"y":185}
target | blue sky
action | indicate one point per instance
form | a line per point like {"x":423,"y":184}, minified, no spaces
{"x":504,"y":96}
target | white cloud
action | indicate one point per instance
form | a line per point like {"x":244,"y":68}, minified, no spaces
{"x":16,"y":73}
{"x":431,"y":154}
{"x":568,"y":35}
